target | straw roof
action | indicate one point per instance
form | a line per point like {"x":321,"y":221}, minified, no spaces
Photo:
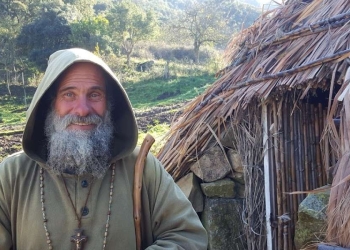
{"x":302,"y":45}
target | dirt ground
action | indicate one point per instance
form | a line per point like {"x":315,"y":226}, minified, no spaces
{"x":10,"y":144}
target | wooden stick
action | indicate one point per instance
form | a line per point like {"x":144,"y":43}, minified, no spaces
{"x":272,"y":172}
{"x":139,"y":166}
{"x":281,"y":140}
{"x":299,"y":154}
{"x":313,"y":145}
{"x":278,"y":175}
{"x":319,"y":168}
{"x":293,"y":163}
{"x":325,"y":142}
{"x":304,"y":137}
{"x":288,"y":167}
{"x":309,"y":145}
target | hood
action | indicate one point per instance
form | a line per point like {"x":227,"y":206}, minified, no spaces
{"x":34,"y":141}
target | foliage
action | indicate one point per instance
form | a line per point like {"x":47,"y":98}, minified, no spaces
{"x":44,"y":36}
{"x":19,"y":11}
{"x":131,"y":24}
{"x":202,"y":24}
{"x":89,"y":32}
{"x":31,"y":29}
{"x":85,"y":7}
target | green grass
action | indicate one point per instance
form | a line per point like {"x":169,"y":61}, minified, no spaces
{"x":162,"y":92}
{"x":12,"y":110}
{"x":158,"y":132}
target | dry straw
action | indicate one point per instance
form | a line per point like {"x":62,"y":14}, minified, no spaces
{"x":282,"y":59}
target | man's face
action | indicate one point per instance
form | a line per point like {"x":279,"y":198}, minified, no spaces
{"x":82,"y":92}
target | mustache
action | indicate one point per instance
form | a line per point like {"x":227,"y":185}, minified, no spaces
{"x":69,"y":119}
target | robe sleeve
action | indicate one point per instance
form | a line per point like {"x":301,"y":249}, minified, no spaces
{"x":5,"y":225}
{"x":175,"y":224}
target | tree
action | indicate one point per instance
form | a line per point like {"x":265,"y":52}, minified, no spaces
{"x":203,"y":23}
{"x":89,"y":32}
{"x":131,"y":24}
{"x":13,"y":15}
{"x":211,"y":22}
{"x":44,"y":36}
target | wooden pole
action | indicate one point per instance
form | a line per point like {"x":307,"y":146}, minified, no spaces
{"x":267,"y":171}
{"x":304,"y":135}
{"x":281,"y":139}
{"x":325,"y":141}
{"x":313,"y":145}
{"x":273,"y":182}
{"x":298,"y":153}
{"x":319,"y":168}
{"x":278,"y":175}
{"x":292,"y":123}
{"x":288,"y":173}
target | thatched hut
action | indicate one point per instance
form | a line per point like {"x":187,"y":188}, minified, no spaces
{"x":278,"y":99}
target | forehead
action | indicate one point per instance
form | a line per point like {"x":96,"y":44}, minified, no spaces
{"x":82,"y":75}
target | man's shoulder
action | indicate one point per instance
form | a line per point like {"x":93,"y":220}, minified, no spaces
{"x":15,"y":162}
{"x":153,"y":168}
{"x":18,"y":156}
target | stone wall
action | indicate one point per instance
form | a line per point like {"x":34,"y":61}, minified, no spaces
{"x":216,"y":189}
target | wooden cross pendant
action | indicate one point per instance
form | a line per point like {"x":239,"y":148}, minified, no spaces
{"x":78,"y":239}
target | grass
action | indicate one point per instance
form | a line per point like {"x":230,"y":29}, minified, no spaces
{"x":162,"y":92}
{"x":158,"y":131}
{"x":12,"y":110}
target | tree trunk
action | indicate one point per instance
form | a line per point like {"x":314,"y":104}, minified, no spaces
{"x":129,"y":48}
{"x":196,"y":46}
{"x":24,"y":91}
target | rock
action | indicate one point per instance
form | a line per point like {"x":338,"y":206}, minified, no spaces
{"x":235,"y":160}
{"x":227,"y":138}
{"x":190,"y":186}
{"x":212,"y":166}
{"x":240,"y":190}
{"x":221,"y":188}
{"x":237,"y":177}
{"x":312,"y":220}
{"x":142,"y":67}
{"x":222,"y":220}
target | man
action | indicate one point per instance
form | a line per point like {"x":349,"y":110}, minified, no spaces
{"x":72,"y":185}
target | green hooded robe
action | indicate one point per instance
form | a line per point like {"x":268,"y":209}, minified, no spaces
{"x":168,"y":219}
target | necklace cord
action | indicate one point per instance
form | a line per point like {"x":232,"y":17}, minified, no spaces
{"x":70,"y":198}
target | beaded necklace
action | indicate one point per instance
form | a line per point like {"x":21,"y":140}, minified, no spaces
{"x":78,"y":238}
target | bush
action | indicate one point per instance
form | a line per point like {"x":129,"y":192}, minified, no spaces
{"x":166,"y":52}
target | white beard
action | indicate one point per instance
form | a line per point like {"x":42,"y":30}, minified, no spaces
{"x":78,"y":151}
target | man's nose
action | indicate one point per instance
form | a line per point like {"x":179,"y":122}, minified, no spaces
{"x":82,"y":107}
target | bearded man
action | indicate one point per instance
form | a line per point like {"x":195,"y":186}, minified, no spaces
{"x":72,"y":184}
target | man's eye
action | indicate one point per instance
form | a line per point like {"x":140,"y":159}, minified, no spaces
{"x":69,"y":95}
{"x":96,"y":96}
